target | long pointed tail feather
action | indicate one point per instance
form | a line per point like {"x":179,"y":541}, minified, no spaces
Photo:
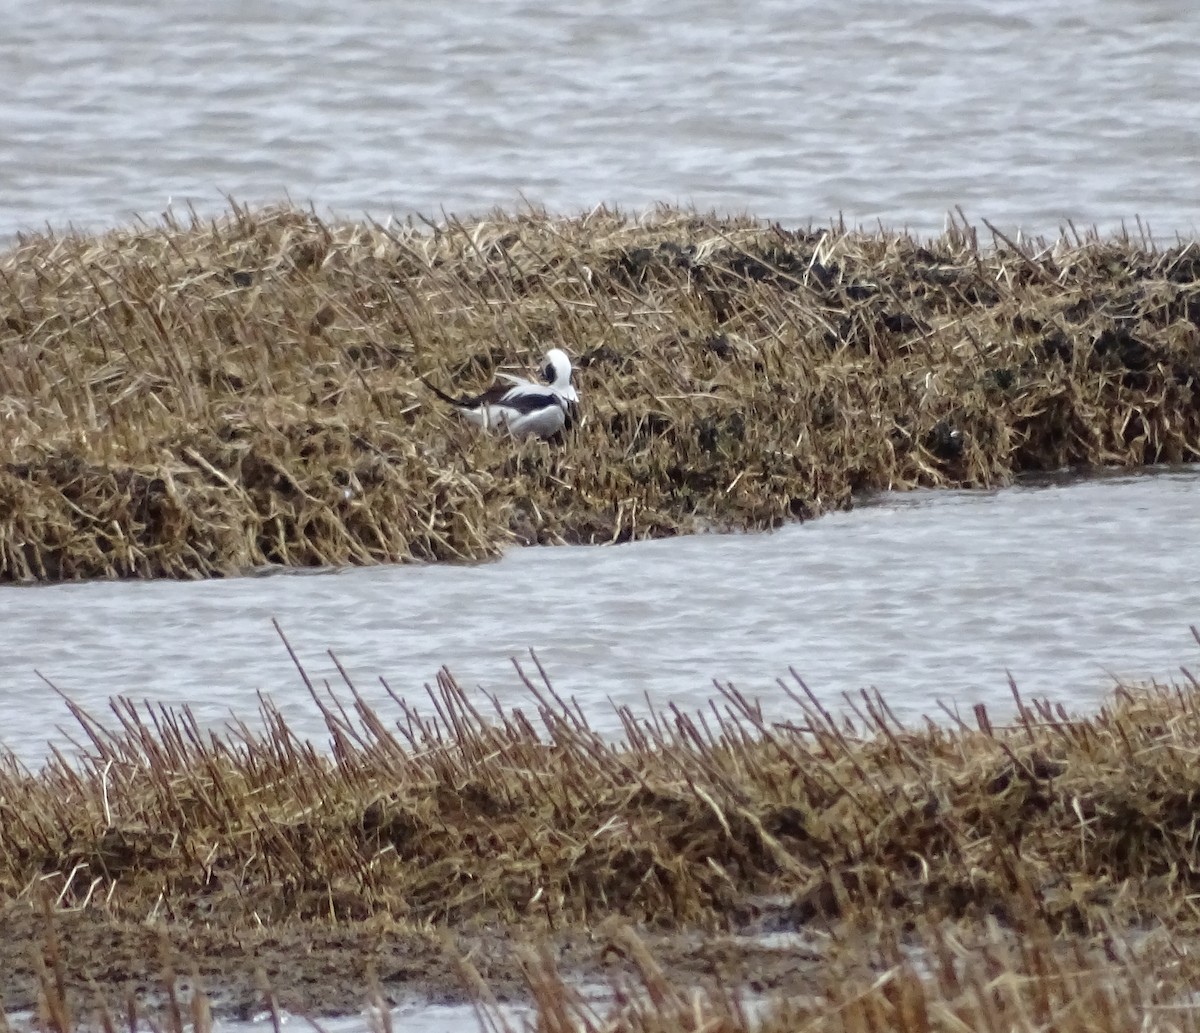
{"x":458,"y":403}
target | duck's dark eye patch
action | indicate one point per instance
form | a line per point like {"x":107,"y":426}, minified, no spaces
{"x":548,"y":372}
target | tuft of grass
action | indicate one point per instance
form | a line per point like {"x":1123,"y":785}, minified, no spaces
{"x":201,"y":397}
{"x":955,"y":875}
{"x":936,"y":985}
{"x":472,"y":814}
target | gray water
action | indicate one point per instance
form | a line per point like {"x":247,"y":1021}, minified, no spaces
{"x":1024,"y":112}
{"x":927,"y":596}
{"x":428,"y":1018}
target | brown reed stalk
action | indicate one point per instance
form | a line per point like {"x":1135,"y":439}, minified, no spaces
{"x":1049,"y":830}
{"x":205,"y":396}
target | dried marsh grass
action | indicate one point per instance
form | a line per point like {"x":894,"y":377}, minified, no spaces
{"x":193,"y":399}
{"x":473,"y":815}
{"x":976,"y":876}
{"x":1033,"y":987}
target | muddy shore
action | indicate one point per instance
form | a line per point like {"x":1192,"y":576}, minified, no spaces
{"x":310,"y":969}
{"x":195,"y":400}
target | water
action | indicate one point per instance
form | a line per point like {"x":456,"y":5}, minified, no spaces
{"x":1022,"y":112}
{"x":1025,"y":113}
{"x":430,"y":1018}
{"x":926,"y":596}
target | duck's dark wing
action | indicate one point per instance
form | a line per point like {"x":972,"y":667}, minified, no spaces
{"x":494,"y":395}
{"x":529,"y":399}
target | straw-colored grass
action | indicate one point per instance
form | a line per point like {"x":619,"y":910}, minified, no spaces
{"x":932,"y":983}
{"x":476,"y":819}
{"x":185,"y":400}
{"x":472,"y":816}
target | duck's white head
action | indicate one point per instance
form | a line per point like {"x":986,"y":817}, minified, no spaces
{"x":556,"y":371}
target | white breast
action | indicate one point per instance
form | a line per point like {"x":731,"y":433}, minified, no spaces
{"x":543,"y":423}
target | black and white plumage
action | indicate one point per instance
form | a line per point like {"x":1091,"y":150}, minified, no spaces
{"x":521,"y":407}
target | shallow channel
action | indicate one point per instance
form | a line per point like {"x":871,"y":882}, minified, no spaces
{"x":927,"y":596}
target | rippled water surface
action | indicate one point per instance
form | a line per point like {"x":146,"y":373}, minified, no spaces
{"x":926,"y":596}
{"x":1023,"y":112}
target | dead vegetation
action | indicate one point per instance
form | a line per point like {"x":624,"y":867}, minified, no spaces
{"x":188,"y":400}
{"x":702,"y":828}
{"x":933,"y":984}
{"x":472,"y":816}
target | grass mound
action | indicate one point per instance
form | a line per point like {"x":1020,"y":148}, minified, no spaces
{"x":191,"y":400}
{"x":705,"y":830}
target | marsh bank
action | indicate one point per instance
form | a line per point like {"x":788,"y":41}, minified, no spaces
{"x":191,"y":400}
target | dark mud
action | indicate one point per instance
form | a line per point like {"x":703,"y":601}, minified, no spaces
{"x":309,"y":970}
